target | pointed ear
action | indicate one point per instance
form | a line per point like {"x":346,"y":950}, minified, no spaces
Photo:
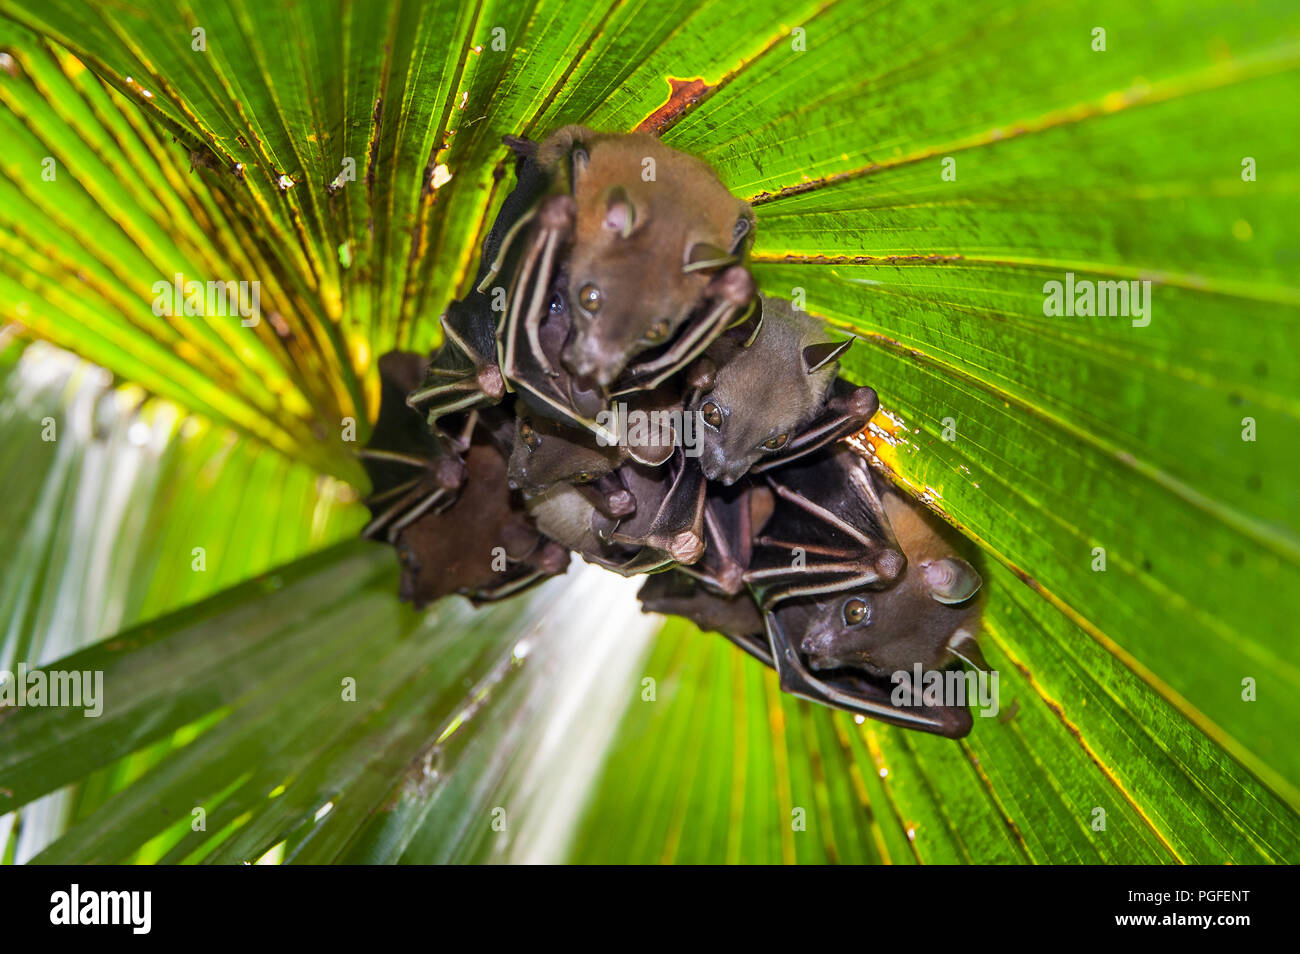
{"x":818,"y":356}
{"x":620,"y":216}
{"x":658,"y":445}
{"x":522,"y":147}
{"x":951,"y":580}
{"x":578,"y":162}
{"x":962,"y":645}
{"x":743,"y":229}
{"x":703,"y":257}
{"x":652,"y":455}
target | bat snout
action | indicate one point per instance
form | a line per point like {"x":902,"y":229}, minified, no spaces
{"x":819,"y":648}
{"x":594,"y":368}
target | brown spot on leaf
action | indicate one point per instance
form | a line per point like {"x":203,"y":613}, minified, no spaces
{"x":682,"y":96}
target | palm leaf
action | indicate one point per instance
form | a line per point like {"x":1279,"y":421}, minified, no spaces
{"x":1043,"y":438}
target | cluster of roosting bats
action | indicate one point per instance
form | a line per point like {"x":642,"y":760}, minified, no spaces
{"x":600,"y":286}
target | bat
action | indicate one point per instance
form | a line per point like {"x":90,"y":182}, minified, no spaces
{"x":412,"y":471}
{"x":767,"y":391}
{"x":665,"y":529}
{"x":546,"y":453}
{"x":483,"y":546}
{"x":854,"y":640}
{"x":652,"y":243}
{"x":930,"y":615}
{"x":450,"y":516}
{"x":466,"y":373}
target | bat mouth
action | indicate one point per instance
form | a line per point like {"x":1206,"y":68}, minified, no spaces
{"x":587,"y":396}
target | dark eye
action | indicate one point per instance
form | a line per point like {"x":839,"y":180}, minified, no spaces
{"x":528,"y":435}
{"x":557,"y":303}
{"x":712,"y":415}
{"x":776,"y":443}
{"x":658,"y":333}
{"x":855,"y":611}
{"x":589,"y":298}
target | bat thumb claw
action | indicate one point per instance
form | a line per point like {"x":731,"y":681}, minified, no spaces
{"x":686,"y":547}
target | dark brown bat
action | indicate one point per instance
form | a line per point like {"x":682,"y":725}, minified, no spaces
{"x":453,"y":520}
{"x":823,"y":540}
{"x":465,"y":373}
{"x":547,"y":453}
{"x":412,"y":471}
{"x":766,"y":393}
{"x":483,"y":546}
{"x":666,"y":528}
{"x":928,"y":616}
{"x":855,"y":641}
{"x":615,"y":227}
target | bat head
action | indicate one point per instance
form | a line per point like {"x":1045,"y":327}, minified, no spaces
{"x":754,"y":395}
{"x":652,"y":227}
{"x":546,"y":453}
{"x":922,"y":618}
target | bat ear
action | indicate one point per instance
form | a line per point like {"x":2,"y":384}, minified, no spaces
{"x":620,"y":215}
{"x":652,"y":455}
{"x":704,"y":257}
{"x":818,"y":356}
{"x":951,"y":580}
{"x":521,"y":147}
{"x":962,"y":645}
{"x":743,"y":229}
{"x":578,"y":162}
{"x":655,"y":445}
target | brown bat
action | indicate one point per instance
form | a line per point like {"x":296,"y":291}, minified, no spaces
{"x":766,"y":393}
{"x":412,"y":471}
{"x":929,"y":616}
{"x":836,"y":637}
{"x":665,"y":529}
{"x":455,"y":524}
{"x":483,"y":546}
{"x":626,"y":210}
{"x":546,"y":453}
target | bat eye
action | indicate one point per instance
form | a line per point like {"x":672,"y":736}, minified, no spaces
{"x":776,"y":443}
{"x":584,"y":477}
{"x":528,"y":435}
{"x":557,"y":304}
{"x":658,"y":333}
{"x":855,"y":611}
{"x":712,"y":415}
{"x":589,"y":297}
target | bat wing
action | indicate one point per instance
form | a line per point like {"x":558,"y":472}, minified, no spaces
{"x":828,"y":531}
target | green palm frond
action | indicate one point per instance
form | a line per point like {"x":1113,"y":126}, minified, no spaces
{"x":919,"y":172}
